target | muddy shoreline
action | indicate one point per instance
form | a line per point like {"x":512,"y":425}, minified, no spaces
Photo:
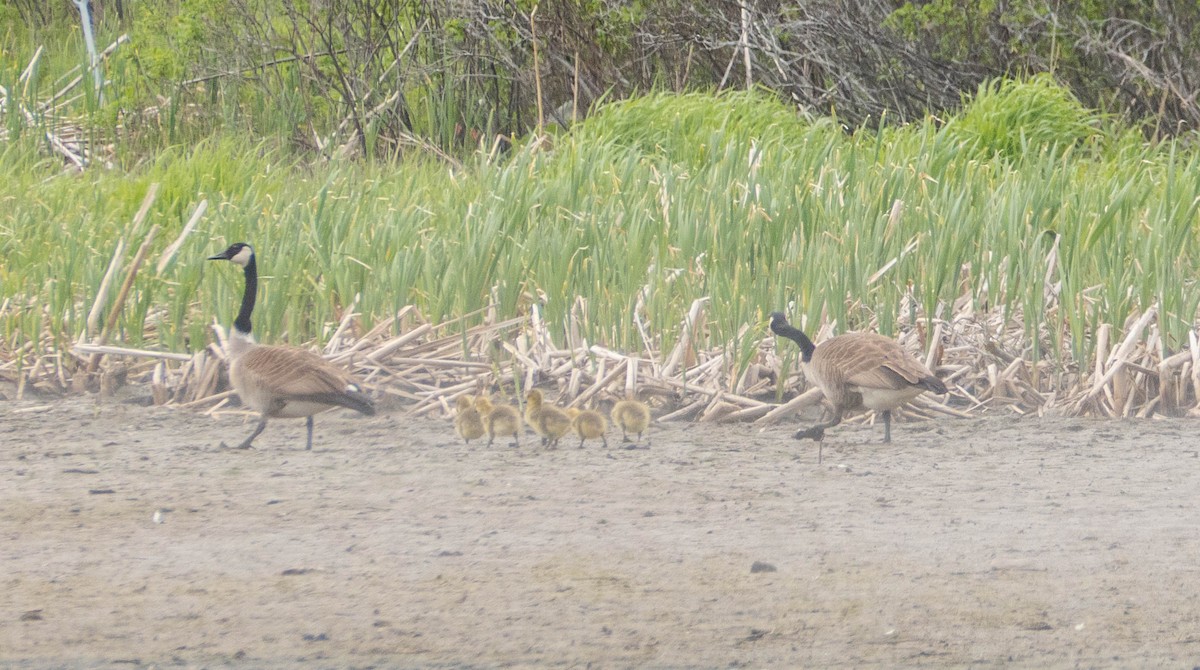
{"x":997,"y":541}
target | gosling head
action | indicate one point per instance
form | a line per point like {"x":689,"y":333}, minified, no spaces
{"x":238,"y":252}
{"x":534,"y":398}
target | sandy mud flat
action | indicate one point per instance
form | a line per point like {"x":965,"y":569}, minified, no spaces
{"x":129,"y":538}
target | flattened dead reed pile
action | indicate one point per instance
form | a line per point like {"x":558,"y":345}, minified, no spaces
{"x":985,"y":359}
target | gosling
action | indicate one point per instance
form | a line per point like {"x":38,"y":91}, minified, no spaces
{"x":467,"y":422}
{"x":548,"y":421}
{"x":589,"y":425}
{"x":633,"y":416}
{"x":499,"y":419}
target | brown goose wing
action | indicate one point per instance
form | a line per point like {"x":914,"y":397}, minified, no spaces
{"x":876,"y":362}
{"x":299,"y":374}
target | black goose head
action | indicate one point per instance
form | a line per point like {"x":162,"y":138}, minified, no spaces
{"x":238,"y":252}
{"x":777,"y":318}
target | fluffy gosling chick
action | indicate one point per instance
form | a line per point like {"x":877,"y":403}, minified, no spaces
{"x":589,"y":425}
{"x":633,"y":416}
{"x":499,"y":420}
{"x":547,"y":420}
{"x":467,"y":422}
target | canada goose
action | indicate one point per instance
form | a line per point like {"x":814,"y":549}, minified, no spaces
{"x":589,"y":425}
{"x":633,"y":416}
{"x":859,"y":370}
{"x":281,"y":382}
{"x":499,"y":420}
{"x":467,"y":422}
{"x":547,"y":420}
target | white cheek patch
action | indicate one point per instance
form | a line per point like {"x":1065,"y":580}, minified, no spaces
{"x":353,"y":388}
{"x":243,"y":257}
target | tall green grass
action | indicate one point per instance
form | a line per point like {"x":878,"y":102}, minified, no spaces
{"x":667,"y":197}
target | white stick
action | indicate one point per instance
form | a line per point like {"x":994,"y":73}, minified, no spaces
{"x":809,"y":397}
{"x":125,"y":351}
{"x":93,"y":320}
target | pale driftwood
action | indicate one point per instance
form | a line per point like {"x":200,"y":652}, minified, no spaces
{"x":812,"y":396}
{"x":1120,"y":357}
{"x":935,"y":345}
{"x":711,"y":392}
{"x":397,"y":342}
{"x":441,"y":362}
{"x":158,"y":384}
{"x":28,"y":71}
{"x":1194,"y":348}
{"x":93,"y":319}
{"x":332,"y":347}
{"x":138,"y":258}
{"x":601,"y":384}
{"x":686,"y":410}
{"x":37,"y":409}
{"x":717,"y":410}
{"x":690,"y":324}
{"x":93,"y":349}
{"x":224,"y":395}
{"x":749,"y":413}
{"x":942,"y":408}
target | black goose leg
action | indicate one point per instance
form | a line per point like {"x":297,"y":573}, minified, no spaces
{"x":309,"y":424}
{"x":258,"y":429}
{"x":887,"y":426}
{"x":817,"y":433}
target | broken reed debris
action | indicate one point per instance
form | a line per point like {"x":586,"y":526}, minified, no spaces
{"x":425,"y":367}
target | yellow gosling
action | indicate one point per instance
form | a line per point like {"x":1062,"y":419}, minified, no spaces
{"x":589,"y":425}
{"x":548,"y":421}
{"x":467,"y":421}
{"x":500,"y":420}
{"x":533,"y":406}
{"x":633,"y":416}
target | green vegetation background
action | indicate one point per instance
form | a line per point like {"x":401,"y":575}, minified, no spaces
{"x":1023,"y":202}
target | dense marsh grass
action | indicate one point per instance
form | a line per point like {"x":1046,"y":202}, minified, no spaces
{"x":643,"y":208}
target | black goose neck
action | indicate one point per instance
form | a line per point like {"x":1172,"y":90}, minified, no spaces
{"x":242,"y":323}
{"x":796,"y":335}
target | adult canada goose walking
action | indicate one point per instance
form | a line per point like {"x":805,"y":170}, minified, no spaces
{"x":859,"y":370}
{"x":281,"y":382}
